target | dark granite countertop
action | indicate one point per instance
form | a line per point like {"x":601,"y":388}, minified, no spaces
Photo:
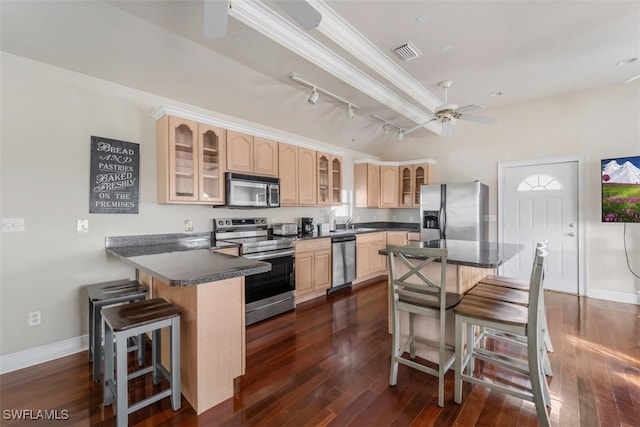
{"x":362,"y":228}
{"x":182,"y":259}
{"x":472,"y":254}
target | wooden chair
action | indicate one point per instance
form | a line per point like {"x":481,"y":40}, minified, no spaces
{"x":418,"y":295}
{"x":509,"y":318}
{"x":514,"y":290}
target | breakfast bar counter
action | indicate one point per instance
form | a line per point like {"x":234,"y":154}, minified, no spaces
{"x":209,"y":287}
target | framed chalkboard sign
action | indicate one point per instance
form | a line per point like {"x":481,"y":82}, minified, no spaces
{"x":115,"y":176}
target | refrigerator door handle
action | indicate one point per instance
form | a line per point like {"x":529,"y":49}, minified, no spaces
{"x":443,"y":211}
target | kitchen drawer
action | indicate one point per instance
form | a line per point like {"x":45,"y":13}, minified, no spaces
{"x":313,"y":245}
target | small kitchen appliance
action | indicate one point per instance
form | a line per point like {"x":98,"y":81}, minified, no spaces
{"x":284,"y":229}
{"x":308,"y":225}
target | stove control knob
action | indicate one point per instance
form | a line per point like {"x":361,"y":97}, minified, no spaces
{"x":228,"y":222}
{"x":220,"y":222}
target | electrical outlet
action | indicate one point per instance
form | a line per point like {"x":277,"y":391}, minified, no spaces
{"x":82,"y":226}
{"x":34,"y":318}
{"x":188,"y":225}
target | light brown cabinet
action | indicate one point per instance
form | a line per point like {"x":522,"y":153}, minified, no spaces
{"x":398,"y":238}
{"x":411,"y":178}
{"x":252,"y":155}
{"x":297,"y":176}
{"x":307,"y":177}
{"x":313,"y":268}
{"x":288,"y":158}
{"x":366,"y":179}
{"x":329,"y":179}
{"x":368,"y":261}
{"x":191,"y":161}
{"x":389,"y":186}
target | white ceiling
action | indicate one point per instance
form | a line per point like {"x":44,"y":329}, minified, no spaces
{"x":524,"y":49}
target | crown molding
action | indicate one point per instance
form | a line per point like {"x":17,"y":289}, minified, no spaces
{"x":168,"y":110}
{"x":264,"y":20}
{"x":393,"y":163}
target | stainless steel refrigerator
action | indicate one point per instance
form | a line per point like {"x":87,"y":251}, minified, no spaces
{"x":454,"y":211}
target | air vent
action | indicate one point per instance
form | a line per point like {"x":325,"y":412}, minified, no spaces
{"x":407,"y":51}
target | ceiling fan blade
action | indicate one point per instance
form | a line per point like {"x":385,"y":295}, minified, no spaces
{"x":216,"y":16}
{"x":633,"y":78}
{"x":418,"y":126}
{"x":301,"y":12}
{"x":479,"y":119}
{"x":469,"y":107}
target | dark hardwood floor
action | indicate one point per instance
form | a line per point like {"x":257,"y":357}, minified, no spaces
{"x":327,"y":363}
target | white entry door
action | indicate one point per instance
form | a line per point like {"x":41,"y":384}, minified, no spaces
{"x":541,"y":202}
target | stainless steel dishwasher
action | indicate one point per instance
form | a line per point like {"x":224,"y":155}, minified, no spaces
{"x":344,"y":261}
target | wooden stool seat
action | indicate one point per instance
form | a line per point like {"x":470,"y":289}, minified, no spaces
{"x":122,"y":322}
{"x":500,"y":293}
{"x":142,"y":313}
{"x":102,"y":295}
{"x":506,"y":282}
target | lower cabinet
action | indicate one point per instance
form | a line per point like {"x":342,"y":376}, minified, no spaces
{"x":368,"y":261}
{"x":313,"y":268}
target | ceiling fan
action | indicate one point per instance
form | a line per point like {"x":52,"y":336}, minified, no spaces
{"x":216,"y":15}
{"x":447,"y":113}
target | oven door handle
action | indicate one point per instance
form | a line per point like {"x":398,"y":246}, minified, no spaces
{"x":271,"y":254}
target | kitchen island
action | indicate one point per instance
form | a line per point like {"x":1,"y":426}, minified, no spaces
{"x":467,"y":263}
{"x":209,"y":286}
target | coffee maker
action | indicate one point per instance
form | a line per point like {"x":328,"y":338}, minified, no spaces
{"x":307,"y":225}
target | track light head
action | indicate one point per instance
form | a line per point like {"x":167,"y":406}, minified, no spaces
{"x":314,"y":97}
{"x":400,"y":135}
{"x":349,"y":111}
{"x":385,"y":128}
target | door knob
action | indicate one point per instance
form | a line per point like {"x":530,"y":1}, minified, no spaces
{"x":572,"y":234}
{"x":572,"y":224}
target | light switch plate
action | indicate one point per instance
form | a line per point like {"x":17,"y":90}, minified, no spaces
{"x":10,"y":225}
{"x":82,"y":226}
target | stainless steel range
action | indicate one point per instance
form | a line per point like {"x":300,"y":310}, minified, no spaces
{"x":266,"y":294}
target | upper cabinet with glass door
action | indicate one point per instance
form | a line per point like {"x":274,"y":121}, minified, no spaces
{"x":190,"y":162}
{"x":411,"y":178}
{"x":329,"y":179}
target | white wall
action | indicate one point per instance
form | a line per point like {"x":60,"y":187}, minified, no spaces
{"x":49,"y":115}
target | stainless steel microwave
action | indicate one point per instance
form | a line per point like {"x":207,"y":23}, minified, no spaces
{"x":252,"y":191}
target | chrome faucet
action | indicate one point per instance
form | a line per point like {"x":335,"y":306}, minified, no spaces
{"x":348,"y":224}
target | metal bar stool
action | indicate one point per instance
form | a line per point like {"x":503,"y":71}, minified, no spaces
{"x":106,"y":294}
{"x":129,"y":320}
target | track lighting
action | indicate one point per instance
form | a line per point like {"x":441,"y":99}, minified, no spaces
{"x":314,"y":97}
{"x":316,"y":91}
{"x":386,"y":127}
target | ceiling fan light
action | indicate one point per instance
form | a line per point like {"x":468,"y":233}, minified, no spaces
{"x":314,"y":97}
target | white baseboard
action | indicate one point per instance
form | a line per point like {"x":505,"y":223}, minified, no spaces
{"x":43,"y":353}
{"x":614,"y":296}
